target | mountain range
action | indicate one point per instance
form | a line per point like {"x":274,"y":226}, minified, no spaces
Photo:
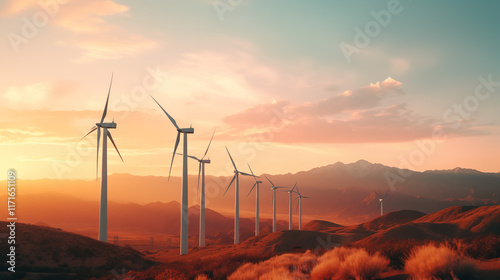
{"x":342,"y":193}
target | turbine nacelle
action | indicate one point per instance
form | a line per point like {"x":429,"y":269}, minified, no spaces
{"x":186,"y":130}
{"x":205,"y":161}
{"x":106,"y":125}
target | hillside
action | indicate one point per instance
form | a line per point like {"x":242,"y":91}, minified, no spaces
{"x":49,"y":250}
{"x":450,"y":223}
{"x":319,"y":225}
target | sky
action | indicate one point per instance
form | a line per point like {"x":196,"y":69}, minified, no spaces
{"x":286,"y":85}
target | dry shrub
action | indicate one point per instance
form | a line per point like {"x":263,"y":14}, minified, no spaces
{"x":170,"y":274}
{"x":286,"y":266}
{"x":349,"y":263}
{"x":432,"y":263}
{"x":282,"y":273}
{"x":201,"y":277}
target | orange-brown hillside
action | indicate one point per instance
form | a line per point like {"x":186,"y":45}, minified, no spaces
{"x":48,"y":250}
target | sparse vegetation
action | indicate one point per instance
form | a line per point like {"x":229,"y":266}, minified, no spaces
{"x":349,"y":263}
{"x":293,"y":265}
{"x":431,"y":262}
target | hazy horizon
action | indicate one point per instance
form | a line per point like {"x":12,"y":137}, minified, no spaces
{"x":273,"y":88}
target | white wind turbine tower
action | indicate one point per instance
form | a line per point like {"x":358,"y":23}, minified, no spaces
{"x":257,"y":182}
{"x":184,"y":208}
{"x":237,"y":199}
{"x":274,"y":188}
{"x":201,"y":170}
{"x":290,"y":206}
{"x":299,"y":206}
{"x":381,"y":202}
{"x":103,"y":208}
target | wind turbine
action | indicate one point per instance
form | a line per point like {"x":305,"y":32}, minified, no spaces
{"x":184,"y":209}
{"x":201,"y":170}
{"x":299,"y":206}
{"x":274,"y":188}
{"x":381,"y":202}
{"x":257,"y":182}
{"x":237,"y":199}
{"x":103,"y":208}
{"x":290,"y":206}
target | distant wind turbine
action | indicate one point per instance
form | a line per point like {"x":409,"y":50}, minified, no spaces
{"x":299,"y":206}
{"x":103,"y":208}
{"x":274,"y":188}
{"x":237,"y":199}
{"x":184,"y":210}
{"x":381,"y":202}
{"x":257,"y":182}
{"x":290,"y":206}
{"x":201,"y":170}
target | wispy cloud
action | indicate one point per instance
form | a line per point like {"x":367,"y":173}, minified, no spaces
{"x":89,"y":27}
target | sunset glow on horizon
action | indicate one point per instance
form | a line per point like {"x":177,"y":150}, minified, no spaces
{"x":410,"y":90}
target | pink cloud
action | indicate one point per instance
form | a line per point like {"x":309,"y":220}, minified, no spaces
{"x":355,"y":116}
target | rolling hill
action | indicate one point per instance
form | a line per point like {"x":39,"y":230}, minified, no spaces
{"x":57,"y":254}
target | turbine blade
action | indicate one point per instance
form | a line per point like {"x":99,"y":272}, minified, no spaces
{"x":378,"y":195}
{"x":251,"y":189}
{"x":297,"y":192}
{"x":378,"y":206}
{"x":234,"y":177}
{"x":386,"y":194}
{"x":170,"y":117}
{"x":270,"y":182}
{"x":193,"y":157}
{"x":97,"y":161}
{"x":246,"y":174}
{"x":305,"y":196}
{"x":107,"y":100}
{"x":91,"y":130}
{"x":254,"y":177}
{"x":199,"y":172}
{"x":173,"y":155}
{"x":297,"y":209}
{"x":231,"y":159}
{"x":294,"y":186}
{"x":209,"y":145}
{"x":111,"y":138}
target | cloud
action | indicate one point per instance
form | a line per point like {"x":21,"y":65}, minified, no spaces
{"x":257,"y":116}
{"x":363,"y":115}
{"x":362,"y":98}
{"x":28,"y":96}
{"x":88,"y":16}
{"x":14,"y":7}
{"x":106,"y":47}
{"x":89,"y":27}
